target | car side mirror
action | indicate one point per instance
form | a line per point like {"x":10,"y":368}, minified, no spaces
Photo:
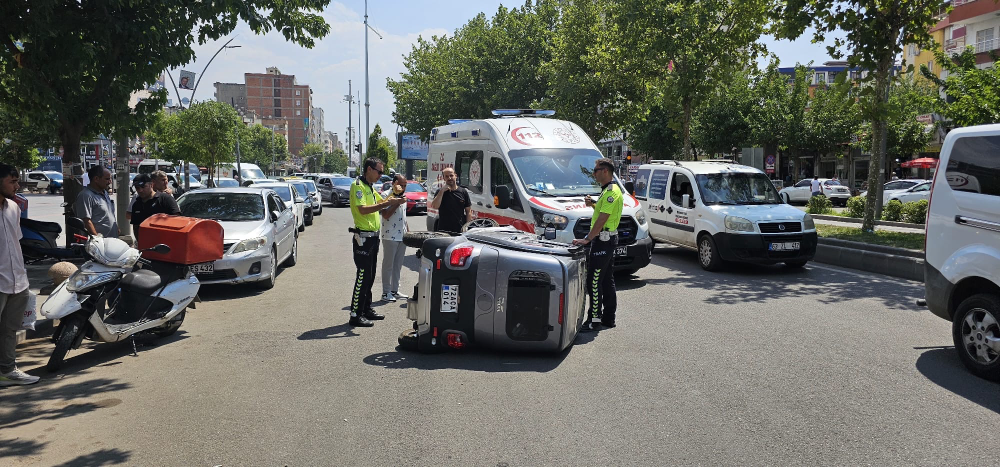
{"x":630,"y":188}
{"x":686,"y":201}
{"x":275,"y":215}
{"x":501,"y":197}
{"x":247,"y":183}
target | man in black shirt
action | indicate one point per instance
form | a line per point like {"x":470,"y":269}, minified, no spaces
{"x":148,"y":202}
{"x":453,"y":204}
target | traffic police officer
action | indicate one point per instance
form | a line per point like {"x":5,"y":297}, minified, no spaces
{"x":365,"y":205}
{"x":603,"y":238}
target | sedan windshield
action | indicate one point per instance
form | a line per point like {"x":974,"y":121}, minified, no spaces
{"x":415,"y":188}
{"x":343,"y":181}
{"x":301,"y":188}
{"x":311,"y":186}
{"x":282,"y":190}
{"x":737,"y":188}
{"x":220,"y":206}
{"x":557,"y":172}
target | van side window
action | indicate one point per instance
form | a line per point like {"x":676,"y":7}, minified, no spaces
{"x":658,"y":184}
{"x":679,"y":187}
{"x":469,"y":169}
{"x":500,"y":176}
{"x":974,"y":166}
{"x":642,"y":183}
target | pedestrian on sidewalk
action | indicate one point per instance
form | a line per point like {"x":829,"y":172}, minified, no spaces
{"x":13,"y":280}
{"x":148,"y":202}
{"x":365,"y":206}
{"x":94,"y":205}
{"x":393,"y":250}
{"x":817,"y":186}
{"x":161,"y":184}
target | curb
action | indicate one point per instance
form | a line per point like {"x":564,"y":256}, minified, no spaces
{"x":904,"y":266}
{"x":919,"y":254}
{"x":854,"y":220}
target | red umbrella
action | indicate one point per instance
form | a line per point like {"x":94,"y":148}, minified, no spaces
{"x":922,"y":163}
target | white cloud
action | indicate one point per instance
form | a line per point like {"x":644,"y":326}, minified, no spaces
{"x":326,"y":68}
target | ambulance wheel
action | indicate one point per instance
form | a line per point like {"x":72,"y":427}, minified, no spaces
{"x":416,"y":239}
{"x":408,"y":340}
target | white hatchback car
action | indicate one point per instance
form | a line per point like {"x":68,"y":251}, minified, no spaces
{"x":915,"y":193}
{"x":291,"y":199}
{"x":802,"y":191}
{"x":962,"y":268}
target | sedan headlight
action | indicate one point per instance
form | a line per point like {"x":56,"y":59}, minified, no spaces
{"x":807,"y":223}
{"x":640,"y":217}
{"x":738,"y":224}
{"x":81,"y":280}
{"x":250,"y":244}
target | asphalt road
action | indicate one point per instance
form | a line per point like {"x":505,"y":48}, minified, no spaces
{"x":755,"y":365}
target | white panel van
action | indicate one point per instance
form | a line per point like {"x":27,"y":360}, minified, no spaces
{"x":531,"y":172}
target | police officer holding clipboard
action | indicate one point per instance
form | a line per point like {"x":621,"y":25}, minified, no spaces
{"x":365,"y":206}
{"x":603,"y":238}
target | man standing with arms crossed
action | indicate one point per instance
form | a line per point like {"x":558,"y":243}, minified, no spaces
{"x":603,"y":238}
{"x":13,"y":280}
{"x":365,"y":207}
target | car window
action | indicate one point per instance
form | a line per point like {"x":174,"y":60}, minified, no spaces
{"x":974,"y":166}
{"x":324,"y":181}
{"x":274,"y":204}
{"x":283,"y":191}
{"x":301,"y":188}
{"x":233,"y":207}
{"x":896,"y":185}
{"x":831,"y":183}
{"x":642,"y":182}
{"x":469,"y":168}
{"x":415,"y":188}
{"x":680,"y":186}
{"x":658,"y":184}
{"x":343,"y":181}
{"x":922,"y":187}
{"x":803,"y":183}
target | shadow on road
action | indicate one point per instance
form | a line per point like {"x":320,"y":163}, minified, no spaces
{"x":99,"y":458}
{"x":216,"y":292}
{"x":49,"y":401}
{"x":943,"y":367}
{"x":90,"y":354}
{"x":472,"y":360}
{"x":756,"y":283}
{"x":332,"y":332}
{"x":15,"y":448}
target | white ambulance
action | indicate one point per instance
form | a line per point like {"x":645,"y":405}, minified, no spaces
{"x":531,"y":172}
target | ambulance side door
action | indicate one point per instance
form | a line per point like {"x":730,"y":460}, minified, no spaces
{"x":500,"y":175}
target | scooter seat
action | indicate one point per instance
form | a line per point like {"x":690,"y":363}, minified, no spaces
{"x":143,"y":281}
{"x":41,"y":226}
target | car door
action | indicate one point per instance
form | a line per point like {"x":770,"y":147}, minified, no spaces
{"x":658,"y":205}
{"x":500,"y":176}
{"x":916,"y":193}
{"x":801,"y":192}
{"x":284,"y":226}
{"x":681,"y":224}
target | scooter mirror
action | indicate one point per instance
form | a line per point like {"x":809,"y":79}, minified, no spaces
{"x":76,"y":223}
{"x":160,"y":249}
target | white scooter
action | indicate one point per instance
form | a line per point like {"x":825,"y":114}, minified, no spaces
{"x":151,"y":299}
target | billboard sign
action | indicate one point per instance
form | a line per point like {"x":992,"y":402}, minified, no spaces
{"x":187,"y":80}
{"x":411,"y":147}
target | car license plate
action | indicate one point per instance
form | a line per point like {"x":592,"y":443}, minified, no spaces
{"x":203,"y":268}
{"x":621,"y":251}
{"x":785,"y":246}
{"x":449,"y":298}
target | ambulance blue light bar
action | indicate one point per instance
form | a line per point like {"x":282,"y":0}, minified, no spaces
{"x":519,"y":112}
{"x":453,"y":121}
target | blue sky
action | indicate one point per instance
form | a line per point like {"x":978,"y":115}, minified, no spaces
{"x":339,"y":57}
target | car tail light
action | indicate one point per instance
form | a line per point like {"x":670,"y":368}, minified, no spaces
{"x":460,"y":255}
{"x":561,"y":307}
{"x":438,"y":264}
{"x":455,"y":341}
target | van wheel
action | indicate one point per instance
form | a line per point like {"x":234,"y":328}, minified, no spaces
{"x":976,"y":332}
{"x":708,"y":254}
{"x":416,"y":239}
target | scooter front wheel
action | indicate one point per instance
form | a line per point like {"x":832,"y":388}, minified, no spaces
{"x":71,"y":328}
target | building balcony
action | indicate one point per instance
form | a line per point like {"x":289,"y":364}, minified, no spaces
{"x":987,"y":45}
{"x":954,"y":46}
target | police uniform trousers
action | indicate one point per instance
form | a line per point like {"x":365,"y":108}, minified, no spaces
{"x":365,"y":258}
{"x":601,"y":280}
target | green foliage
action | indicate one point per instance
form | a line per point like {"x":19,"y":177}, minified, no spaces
{"x":655,"y":135}
{"x":893,"y":211}
{"x":335,"y":162}
{"x":486,"y":64}
{"x":204,"y":134}
{"x":974,"y":91}
{"x":915,"y":211}
{"x":906,"y":136}
{"x":723,"y":123}
{"x":258,"y":144}
{"x":913,"y":241}
{"x":381,"y":148}
{"x":21,"y":138}
{"x":856,"y":207}
{"x":833,"y":118}
{"x":820,"y":205}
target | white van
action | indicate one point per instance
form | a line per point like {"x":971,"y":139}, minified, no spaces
{"x":529,"y":173}
{"x":148,"y":166}
{"x":725,"y":211}
{"x":962,"y":249}
{"x":251,"y":172}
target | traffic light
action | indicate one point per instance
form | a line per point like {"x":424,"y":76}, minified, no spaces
{"x":628,"y":157}
{"x":357,"y":147}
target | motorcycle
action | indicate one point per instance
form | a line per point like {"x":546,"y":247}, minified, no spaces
{"x":110,"y":299}
{"x":38,"y":241}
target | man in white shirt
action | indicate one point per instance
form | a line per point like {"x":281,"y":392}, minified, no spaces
{"x":817,"y":186}
{"x":13,"y":280}
{"x":393,"y":249}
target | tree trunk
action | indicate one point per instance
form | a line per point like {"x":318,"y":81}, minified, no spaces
{"x":122,"y":197}
{"x":849,"y":160}
{"x":873,"y":202}
{"x":687,"y":130}
{"x":72,"y":172}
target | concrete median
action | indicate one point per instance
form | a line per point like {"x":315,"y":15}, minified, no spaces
{"x":896,"y":262}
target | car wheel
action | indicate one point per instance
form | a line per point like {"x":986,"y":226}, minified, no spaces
{"x":976,"y":332}
{"x":320,"y":211}
{"x":708,"y":254}
{"x":268,"y":284}
{"x":309,"y":218}
{"x":293,"y":258}
{"x":416,"y":239}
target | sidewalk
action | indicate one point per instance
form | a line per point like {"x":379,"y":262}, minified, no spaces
{"x":40,"y":284}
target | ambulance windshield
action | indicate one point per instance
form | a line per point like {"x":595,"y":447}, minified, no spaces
{"x":557,"y":172}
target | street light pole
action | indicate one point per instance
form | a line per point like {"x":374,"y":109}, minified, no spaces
{"x":202,"y":75}
{"x":350,"y":133}
{"x":368,"y":129}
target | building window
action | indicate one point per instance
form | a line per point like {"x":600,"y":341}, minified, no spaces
{"x":277,"y":113}
{"x":298,"y":113}
{"x":930,"y":66}
{"x":984,"y":41}
{"x":277,"y":102}
{"x":277,"y":92}
{"x":298,"y":92}
{"x":820,"y":77}
{"x":298,"y":102}
{"x":277,"y":82}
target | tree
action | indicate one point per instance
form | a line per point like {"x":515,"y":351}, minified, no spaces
{"x":260,"y":145}
{"x":906,"y":136}
{"x":20,"y":139}
{"x":313,"y":154}
{"x":723,"y":123}
{"x":381,"y":148}
{"x":208,"y":132}
{"x":769,"y":123}
{"x":656,"y":135}
{"x":973,"y":92}
{"x":876,"y":31}
{"x":80,"y":61}
{"x":335,"y":162}
{"x":682,"y":49}
{"x":485,"y":65}
{"x":832,"y":119}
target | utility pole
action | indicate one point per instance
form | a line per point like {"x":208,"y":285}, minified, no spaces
{"x":350,"y":130}
{"x":368,"y":130}
{"x":361,"y":141}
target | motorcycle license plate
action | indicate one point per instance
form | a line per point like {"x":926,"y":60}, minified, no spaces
{"x":785,"y":246}
{"x":202,"y":268}
{"x":621,"y":251}
{"x":449,"y":298}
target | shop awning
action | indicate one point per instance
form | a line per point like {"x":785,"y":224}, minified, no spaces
{"x":922,"y":163}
